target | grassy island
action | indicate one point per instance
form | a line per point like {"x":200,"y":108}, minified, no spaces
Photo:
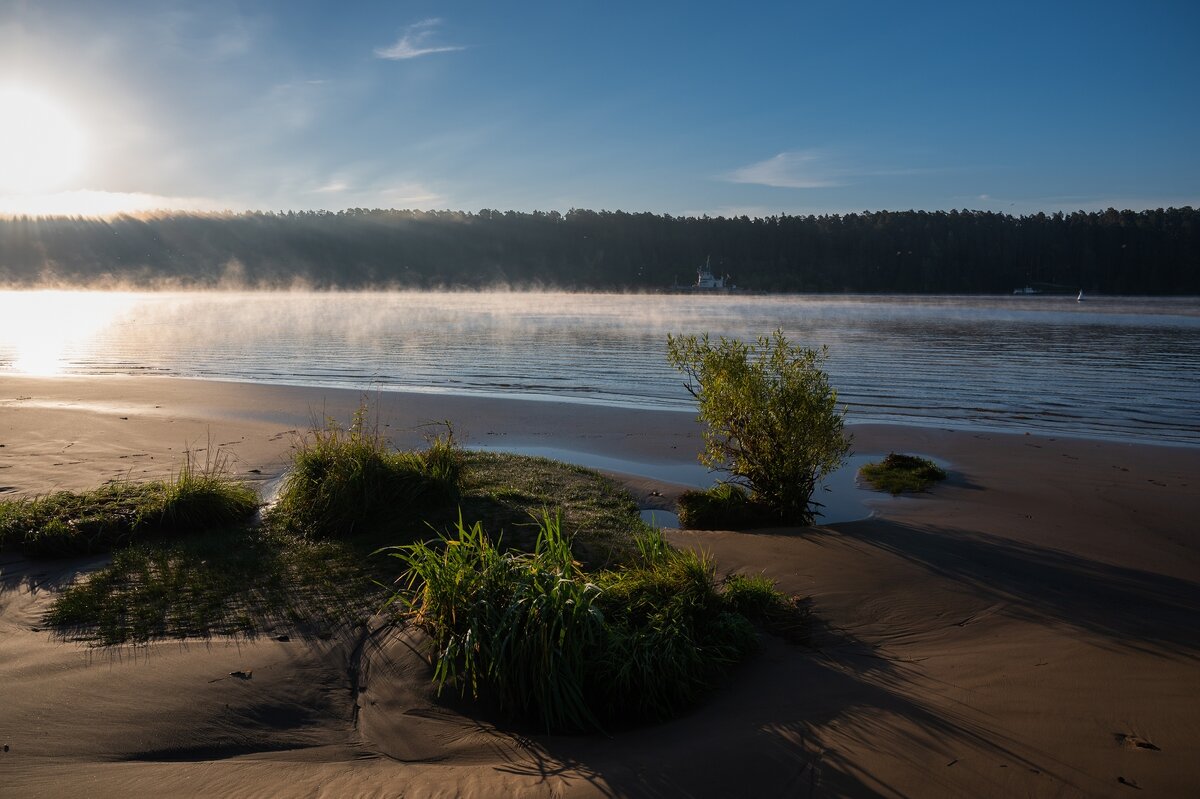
{"x":900,"y":473}
{"x":543,"y":590}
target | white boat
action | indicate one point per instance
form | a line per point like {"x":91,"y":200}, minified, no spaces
{"x":706,"y":281}
{"x":1080,"y":297}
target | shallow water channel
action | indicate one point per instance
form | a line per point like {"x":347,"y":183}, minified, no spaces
{"x":843,"y":497}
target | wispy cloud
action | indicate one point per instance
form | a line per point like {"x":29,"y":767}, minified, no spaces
{"x":415,"y":42}
{"x":801,"y":169}
{"x":345,"y":190}
{"x":811,"y":169}
{"x":334,"y":186}
{"x":411,"y":195}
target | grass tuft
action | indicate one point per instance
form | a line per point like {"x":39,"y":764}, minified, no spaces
{"x":66,"y":523}
{"x":345,"y":479}
{"x":568,"y":649}
{"x":897,"y":473}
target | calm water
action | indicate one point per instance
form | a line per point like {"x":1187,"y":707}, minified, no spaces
{"x":1112,"y":367}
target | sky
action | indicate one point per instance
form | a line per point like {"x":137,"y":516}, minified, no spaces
{"x":670,"y":107}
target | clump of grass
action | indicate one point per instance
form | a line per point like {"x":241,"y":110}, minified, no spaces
{"x":344,"y":479}
{"x":271,"y":578}
{"x":897,"y":473}
{"x":568,"y":649}
{"x":725,"y":506}
{"x":66,"y":523}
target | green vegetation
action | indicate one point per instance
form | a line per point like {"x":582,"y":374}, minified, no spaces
{"x":638,"y":635}
{"x":306,"y":569}
{"x":238,"y":581}
{"x":897,"y":473}
{"x":343,"y":479}
{"x":273,"y":579}
{"x":771,"y":417}
{"x":66,"y":523}
{"x":502,"y":490}
{"x":725,"y":506}
{"x":572,"y":650}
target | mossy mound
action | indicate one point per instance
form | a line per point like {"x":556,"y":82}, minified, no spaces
{"x":899,"y":473}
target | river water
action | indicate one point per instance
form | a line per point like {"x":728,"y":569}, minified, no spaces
{"x":1126,"y":368}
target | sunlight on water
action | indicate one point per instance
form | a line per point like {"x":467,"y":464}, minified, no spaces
{"x":1110,"y":367}
{"x":42,"y":331}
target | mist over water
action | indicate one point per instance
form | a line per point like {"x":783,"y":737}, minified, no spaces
{"x":1112,"y":367}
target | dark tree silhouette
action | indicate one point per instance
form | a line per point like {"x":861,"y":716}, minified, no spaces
{"x":1111,"y":252}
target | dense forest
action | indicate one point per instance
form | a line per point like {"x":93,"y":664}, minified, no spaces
{"x":1110,"y":252}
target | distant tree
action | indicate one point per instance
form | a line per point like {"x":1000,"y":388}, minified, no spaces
{"x":771,"y":417}
{"x":1111,"y":252}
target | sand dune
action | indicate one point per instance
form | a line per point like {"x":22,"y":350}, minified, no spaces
{"x":1030,"y":628}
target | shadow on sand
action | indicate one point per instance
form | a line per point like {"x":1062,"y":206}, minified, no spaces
{"x":1139,"y":610}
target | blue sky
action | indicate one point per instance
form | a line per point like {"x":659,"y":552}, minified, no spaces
{"x":683,"y":108}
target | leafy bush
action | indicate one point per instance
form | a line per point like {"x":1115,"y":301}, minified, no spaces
{"x":67,"y":523}
{"x":897,"y":473}
{"x":567,"y":649}
{"x":344,"y":478}
{"x":771,"y":417}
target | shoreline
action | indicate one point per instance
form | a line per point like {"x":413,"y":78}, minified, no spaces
{"x":1029,"y":627}
{"x":429,"y":397}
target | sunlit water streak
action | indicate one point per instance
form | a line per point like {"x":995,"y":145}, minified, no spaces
{"x":1110,"y":367}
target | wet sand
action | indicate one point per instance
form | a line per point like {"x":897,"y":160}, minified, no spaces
{"x":1031,"y":627}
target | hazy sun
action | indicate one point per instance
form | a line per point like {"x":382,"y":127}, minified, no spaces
{"x":41,"y":144}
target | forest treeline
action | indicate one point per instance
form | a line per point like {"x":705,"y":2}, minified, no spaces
{"x":1110,"y":252}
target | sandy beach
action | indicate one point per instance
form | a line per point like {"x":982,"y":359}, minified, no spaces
{"x":1029,"y":628}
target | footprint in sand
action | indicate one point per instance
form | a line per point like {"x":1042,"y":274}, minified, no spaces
{"x":1135,"y":742}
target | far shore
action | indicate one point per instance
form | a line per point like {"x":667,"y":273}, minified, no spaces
{"x":1029,"y":627}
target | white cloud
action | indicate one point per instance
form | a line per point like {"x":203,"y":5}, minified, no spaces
{"x":415,"y":42}
{"x":411,"y":195}
{"x":801,"y":169}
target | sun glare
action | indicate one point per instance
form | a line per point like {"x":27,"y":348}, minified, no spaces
{"x":41,"y":331}
{"x":41,"y":144}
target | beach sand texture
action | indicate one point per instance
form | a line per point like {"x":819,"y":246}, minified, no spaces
{"x":1030,"y":628}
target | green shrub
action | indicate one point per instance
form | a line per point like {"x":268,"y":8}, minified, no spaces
{"x":897,"y":473}
{"x":725,"y":506}
{"x":342,"y":479}
{"x":67,"y":523}
{"x":566,"y":649}
{"x":771,"y":418}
